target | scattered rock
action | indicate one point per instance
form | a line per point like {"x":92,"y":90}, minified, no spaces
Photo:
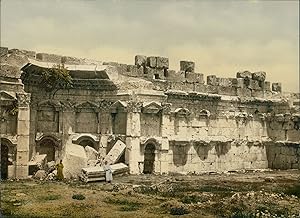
{"x":40,"y":174}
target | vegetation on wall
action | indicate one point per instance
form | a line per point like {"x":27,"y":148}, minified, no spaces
{"x":56,"y":78}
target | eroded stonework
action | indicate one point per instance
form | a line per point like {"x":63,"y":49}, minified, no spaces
{"x":170,"y":121}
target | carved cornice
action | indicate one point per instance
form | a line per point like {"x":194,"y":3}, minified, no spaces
{"x":134,"y":107}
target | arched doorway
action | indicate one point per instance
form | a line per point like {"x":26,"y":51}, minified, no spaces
{"x":48,"y":146}
{"x":7,"y":157}
{"x":149,"y":158}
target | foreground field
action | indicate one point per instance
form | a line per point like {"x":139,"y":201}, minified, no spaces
{"x":252,"y":194}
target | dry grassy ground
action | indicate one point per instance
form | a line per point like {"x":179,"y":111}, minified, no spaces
{"x":252,"y":194}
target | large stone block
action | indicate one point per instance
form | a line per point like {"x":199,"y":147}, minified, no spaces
{"x":212,"y":89}
{"x":257,"y":93}
{"x":53,"y":58}
{"x":162,"y":62}
{"x":226,"y":82}
{"x":199,"y":87}
{"x":252,"y":84}
{"x":133,"y":70}
{"x":243,"y":92}
{"x":22,"y":171}
{"x":151,"y":62}
{"x":223,"y":90}
{"x":212,"y":80}
{"x":267,"y":86}
{"x":244,"y":74}
{"x":187,"y":66}
{"x":70,"y":60}
{"x":140,"y":60}
{"x":276,"y":87}
{"x":259,"y":76}
{"x":194,"y":77}
{"x":240,"y":82}
{"x":3,"y":51}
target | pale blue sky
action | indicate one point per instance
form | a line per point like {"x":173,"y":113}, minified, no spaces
{"x":222,"y":37}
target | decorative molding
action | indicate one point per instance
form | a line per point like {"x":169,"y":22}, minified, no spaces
{"x":23,"y":99}
{"x":151,"y":108}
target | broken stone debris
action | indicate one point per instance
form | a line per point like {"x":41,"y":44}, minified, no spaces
{"x":115,"y":153}
{"x":97,"y":173}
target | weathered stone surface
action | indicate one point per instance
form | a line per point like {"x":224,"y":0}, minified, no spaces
{"x":91,"y":153}
{"x":243,"y":92}
{"x":267,"y":86}
{"x":212,"y":80}
{"x":240,"y":82}
{"x":174,"y":76}
{"x":70,"y":60}
{"x":194,"y":77}
{"x":9,"y":71}
{"x":226,"y":82}
{"x":151,"y":62}
{"x":244,"y":74}
{"x":40,"y":174}
{"x":259,"y":76}
{"x":3,"y":51}
{"x":187,"y":66}
{"x":276,"y":87}
{"x":74,"y":160}
{"x":140,"y":60}
{"x":162,"y":62}
{"x":52,"y":58}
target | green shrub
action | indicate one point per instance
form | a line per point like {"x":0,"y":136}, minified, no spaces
{"x":78,"y":197}
{"x":178,"y":211}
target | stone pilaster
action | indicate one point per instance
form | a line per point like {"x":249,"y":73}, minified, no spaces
{"x":23,"y":131}
{"x":133,"y":133}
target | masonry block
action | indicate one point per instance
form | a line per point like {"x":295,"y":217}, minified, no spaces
{"x":223,"y":90}
{"x":212,"y":80}
{"x":151,"y":62}
{"x":162,"y":62}
{"x":243,"y":92}
{"x":194,"y":77}
{"x":240,"y":83}
{"x":257,"y":93}
{"x":140,"y":60}
{"x":49,"y":57}
{"x":174,"y":76}
{"x":187,"y":66}
{"x":212,"y":89}
{"x":267,"y":86}
{"x":70,"y":60}
{"x":259,"y":76}
{"x":276,"y":87}
{"x":244,"y":74}
{"x":226,"y":82}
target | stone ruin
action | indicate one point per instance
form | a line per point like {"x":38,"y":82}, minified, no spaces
{"x":169,"y":121}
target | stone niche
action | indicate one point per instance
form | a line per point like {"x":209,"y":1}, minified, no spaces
{"x":86,"y":118}
{"x":151,"y":119}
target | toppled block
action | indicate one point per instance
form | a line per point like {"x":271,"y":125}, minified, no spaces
{"x":9,"y":71}
{"x":162,"y":62}
{"x":115,"y":153}
{"x":91,"y":153}
{"x":151,"y":62}
{"x":244,"y":74}
{"x":97,"y":173}
{"x":3,"y":51}
{"x":194,"y":77}
{"x":259,"y":76}
{"x":212,"y":80}
{"x":187,"y":66}
{"x":276,"y":87}
{"x":38,"y":162}
{"x":74,"y":160}
{"x":49,"y":57}
{"x":140,"y":60}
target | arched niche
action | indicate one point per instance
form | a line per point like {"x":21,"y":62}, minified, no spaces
{"x":49,"y":145}
{"x":8,"y":158}
{"x":87,"y":141}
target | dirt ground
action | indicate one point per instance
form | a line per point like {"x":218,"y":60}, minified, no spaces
{"x":247,"y":194}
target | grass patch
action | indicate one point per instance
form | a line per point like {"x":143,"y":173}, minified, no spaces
{"x":126,"y":205}
{"x":293,"y":190}
{"x":78,"y":197}
{"x":178,"y":211}
{"x":189,"y":199}
{"x":49,"y":197}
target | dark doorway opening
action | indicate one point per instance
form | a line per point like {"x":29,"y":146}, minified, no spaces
{"x":47,"y":146}
{"x":87,"y":142}
{"x":149,"y":158}
{"x":4,"y":161}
